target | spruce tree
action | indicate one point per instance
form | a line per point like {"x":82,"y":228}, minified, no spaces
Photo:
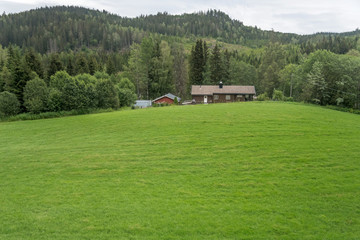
{"x":216,"y":66}
{"x":55,"y":65}
{"x":197,"y":64}
{"x":33,"y":62}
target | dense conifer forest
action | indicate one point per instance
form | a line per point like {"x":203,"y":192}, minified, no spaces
{"x":65,"y":58}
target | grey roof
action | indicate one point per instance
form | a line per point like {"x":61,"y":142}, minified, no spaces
{"x":169,"y":95}
{"x":143,"y":103}
{"x":214,"y":89}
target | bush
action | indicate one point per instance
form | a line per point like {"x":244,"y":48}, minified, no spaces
{"x":126,"y":97}
{"x":278,"y":95}
{"x":36,"y":95}
{"x":263,"y":97}
{"x":9,"y":104}
{"x":125,"y":83}
{"x":176,"y":102}
{"x":54,"y":102}
{"x":107,"y":96}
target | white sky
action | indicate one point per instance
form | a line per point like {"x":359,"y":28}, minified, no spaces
{"x":300,"y":16}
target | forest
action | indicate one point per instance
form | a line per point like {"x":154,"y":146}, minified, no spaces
{"x":65,"y":58}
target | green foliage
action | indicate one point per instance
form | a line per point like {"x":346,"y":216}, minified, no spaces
{"x":242,"y":73}
{"x":36,"y":95}
{"x":9,"y":104}
{"x":5,"y":79}
{"x":126,"y":97}
{"x":198,"y":61}
{"x":54,"y":102}
{"x":180,"y":71}
{"x":81,"y":65}
{"x":125,"y":83}
{"x":55,"y":65}
{"x":176,"y":102}
{"x":216,"y":66}
{"x":107,"y":95}
{"x":277,"y":95}
{"x":262,"y":97}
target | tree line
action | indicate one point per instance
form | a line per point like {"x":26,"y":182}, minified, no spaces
{"x":29,"y":85}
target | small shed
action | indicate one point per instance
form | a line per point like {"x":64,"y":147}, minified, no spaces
{"x":168,"y":98}
{"x":142,"y":103}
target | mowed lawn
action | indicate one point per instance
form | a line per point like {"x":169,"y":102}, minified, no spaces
{"x":224,"y":171}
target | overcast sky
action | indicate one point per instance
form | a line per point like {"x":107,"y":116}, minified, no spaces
{"x":297,"y":16}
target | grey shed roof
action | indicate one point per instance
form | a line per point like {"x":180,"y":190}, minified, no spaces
{"x":143,"y":103}
{"x":214,"y":89}
{"x":169,"y":95}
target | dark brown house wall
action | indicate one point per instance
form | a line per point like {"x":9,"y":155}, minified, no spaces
{"x":200,"y":99}
{"x":222,"y":98}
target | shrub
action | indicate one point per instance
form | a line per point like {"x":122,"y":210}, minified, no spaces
{"x":9,"y":104}
{"x":54,"y":101}
{"x":176,"y":102}
{"x":125,"y":83}
{"x":126,"y":97}
{"x":36,"y":95}
{"x":107,"y":96}
{"x":278,"y":95}
{"x":262,"y":97}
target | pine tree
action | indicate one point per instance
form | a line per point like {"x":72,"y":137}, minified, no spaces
{"x":216,"y":66}
{"x":33,"y":62}
{"x":197,"y":64}
{"x":70,"y":68}
{"x":110,"y":66}
{"x":55,"y":65}
{"x":81,"y":64}
{"x":93,"y":65}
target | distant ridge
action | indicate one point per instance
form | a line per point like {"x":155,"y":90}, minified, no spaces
{"x":68,"y":28}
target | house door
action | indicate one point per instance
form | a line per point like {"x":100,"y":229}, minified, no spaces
{"x":205,"y":99}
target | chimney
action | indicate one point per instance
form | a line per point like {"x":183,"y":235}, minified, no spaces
{"x":221,"y":84}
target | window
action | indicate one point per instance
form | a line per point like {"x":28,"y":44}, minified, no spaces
{"x":216,"y":97}
{"x":227,"y":97}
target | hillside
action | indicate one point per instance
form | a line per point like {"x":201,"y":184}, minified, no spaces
{"x":225,"y":171}
{"x":63,"y":28}
{"x":69,"y":28}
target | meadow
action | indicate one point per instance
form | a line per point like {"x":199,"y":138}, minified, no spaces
{"x":259,"y":170}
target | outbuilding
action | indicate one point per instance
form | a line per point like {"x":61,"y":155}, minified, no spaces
{"x":142,"y":103}
{"x":168,"y":98}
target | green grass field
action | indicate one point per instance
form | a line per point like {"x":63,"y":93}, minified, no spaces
{"x":223,"y":171}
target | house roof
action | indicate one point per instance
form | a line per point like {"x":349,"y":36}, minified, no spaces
{"x":143,"y":103}
{"x":169,"y":95}
{"x":214,"y":89}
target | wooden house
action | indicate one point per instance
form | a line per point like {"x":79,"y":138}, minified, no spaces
{"x":168,"y":98}
{"x":221,"y":93}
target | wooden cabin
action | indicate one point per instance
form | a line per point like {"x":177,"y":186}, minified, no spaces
{"x":222,"y":93}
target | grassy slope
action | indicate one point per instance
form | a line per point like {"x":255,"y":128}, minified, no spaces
{"x":244,"y":171}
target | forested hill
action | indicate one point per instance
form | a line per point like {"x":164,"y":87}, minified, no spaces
{"x":54,"y":29}
{"x":62,"y":28}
